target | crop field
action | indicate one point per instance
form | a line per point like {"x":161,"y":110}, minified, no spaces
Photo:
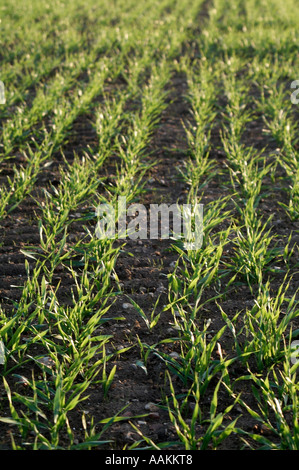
{"x":147,"y":342}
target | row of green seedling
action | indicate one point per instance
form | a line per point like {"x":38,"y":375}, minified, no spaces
{"x":195,"y":364}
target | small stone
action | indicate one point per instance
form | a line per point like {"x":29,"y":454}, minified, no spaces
{"x":126,"y":306}
{"x":161,"y":432}
{"x":266,"y":431}
{"x":161,"y":289}
{"x":46,"y":361}
{"x":277,"y":222}
{"x":153,"y":416}
{"x":151,"y":407}
{"x":174,"y":355}
{"x":170,"y":331}
{"x":131,"y":436}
